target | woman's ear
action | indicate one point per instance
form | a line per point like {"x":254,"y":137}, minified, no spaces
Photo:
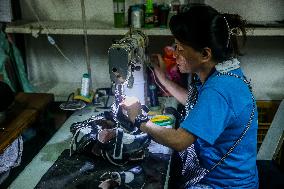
{"x":206,"y":54}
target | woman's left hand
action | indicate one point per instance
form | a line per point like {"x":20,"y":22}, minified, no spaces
{"x":132,"y":107}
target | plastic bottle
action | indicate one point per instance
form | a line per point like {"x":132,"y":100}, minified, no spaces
{"x":149,"y":14}
{"x":119,"y":13}
{"x":163,"y":15}
{"x":153,"y":95}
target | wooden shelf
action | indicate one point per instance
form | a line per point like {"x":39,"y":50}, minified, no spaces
{"x":265,"y":31}
{"x":75,"y":28}
{"x":93,"y":28}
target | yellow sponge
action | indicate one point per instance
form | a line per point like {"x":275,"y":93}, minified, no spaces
{"x":87,"y":99}
{"x":162,"y":120}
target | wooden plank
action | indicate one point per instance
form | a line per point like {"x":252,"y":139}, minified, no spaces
{"x":15,"y":127}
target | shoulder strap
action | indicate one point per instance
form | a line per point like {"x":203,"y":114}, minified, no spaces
{"x":248,"y":124}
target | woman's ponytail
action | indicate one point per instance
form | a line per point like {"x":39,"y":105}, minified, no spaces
{"x":236,"y":30}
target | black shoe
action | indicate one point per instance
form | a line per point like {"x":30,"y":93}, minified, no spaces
{"x":132,"y":178}
{"x":91,"y":121}
{"x":82,"y":138}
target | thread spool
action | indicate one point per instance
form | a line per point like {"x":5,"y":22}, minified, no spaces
{"x":85,"y":85}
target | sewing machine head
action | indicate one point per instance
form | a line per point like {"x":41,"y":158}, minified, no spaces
{"x":127,"y":64}
{"x":126,"y":59}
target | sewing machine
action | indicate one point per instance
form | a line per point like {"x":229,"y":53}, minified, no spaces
{"x":127,"y":60}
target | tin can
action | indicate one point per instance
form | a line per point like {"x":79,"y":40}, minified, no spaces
{"x":136,"y":17}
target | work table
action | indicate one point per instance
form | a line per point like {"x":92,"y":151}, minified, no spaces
{"x":49,"y":154}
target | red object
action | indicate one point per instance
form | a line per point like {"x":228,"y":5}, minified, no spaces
{"x":169,"y":58}
{"x":171,"y":67}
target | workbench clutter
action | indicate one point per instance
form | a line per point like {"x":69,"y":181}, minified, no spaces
{"x":108,"y":151}
{"x":106,"y":154}
{"x":118,"y":141}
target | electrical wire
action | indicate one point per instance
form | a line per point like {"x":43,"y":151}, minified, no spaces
{"x":49,"y":38}
{"x":52,"y":42}
{"x":154,"y":76}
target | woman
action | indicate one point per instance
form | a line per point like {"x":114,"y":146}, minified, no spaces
{"x":225,"y":107}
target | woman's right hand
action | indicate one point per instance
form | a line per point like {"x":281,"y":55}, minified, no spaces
{"x":132,"y":107}
{"x":159,"y":66}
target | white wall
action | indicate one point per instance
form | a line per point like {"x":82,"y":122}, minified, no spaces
{"x":263,"y":61}
{"x":251,"y":10}
{"x":101,"y":10}
{"x":96,"y":10}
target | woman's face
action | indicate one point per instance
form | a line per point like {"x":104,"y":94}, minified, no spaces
{"x":187,"y":59}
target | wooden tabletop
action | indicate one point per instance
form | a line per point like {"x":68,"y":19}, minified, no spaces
{"x":24,"y":112}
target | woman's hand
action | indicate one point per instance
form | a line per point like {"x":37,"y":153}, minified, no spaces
{"x":132,"y":107}
{"x":159,"y":67}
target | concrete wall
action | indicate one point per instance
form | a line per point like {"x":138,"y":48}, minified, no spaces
{"x":263,"y":61}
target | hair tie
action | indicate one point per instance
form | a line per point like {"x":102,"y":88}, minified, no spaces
{"x":229,"y":32}
{"x":234,"y":31}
